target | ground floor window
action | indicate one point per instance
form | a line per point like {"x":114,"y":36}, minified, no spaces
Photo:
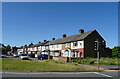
{"x":74,"y":54}
{"x":54,"y":53}
{"x":65,"y":53}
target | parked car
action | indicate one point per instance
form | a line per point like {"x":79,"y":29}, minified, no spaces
{"x":2,"y":55}
{"x":24,"y":56}
{"x":11,"y":53}
{"x":42,"y":56}
{"x":31,"y":55}
{"x":15,"y":55}
{"x":20,"y":53}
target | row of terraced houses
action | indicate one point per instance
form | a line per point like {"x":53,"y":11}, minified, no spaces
{"x":80,"y":45}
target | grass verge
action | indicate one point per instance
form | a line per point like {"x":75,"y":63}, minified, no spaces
{"x":103,"y":61}
{"x":26,"y":65}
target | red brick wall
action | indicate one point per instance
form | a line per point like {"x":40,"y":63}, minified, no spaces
{"x":65,"y":59}
{"x":81,"y":50}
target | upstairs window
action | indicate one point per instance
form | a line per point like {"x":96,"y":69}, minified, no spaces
{"x":67,"y":45}
{"x":51,"y":46}
{"x":57,"y":46}
{"x":80,"y":44}
{"x":46,"y":47}
{"x":75,"y":44}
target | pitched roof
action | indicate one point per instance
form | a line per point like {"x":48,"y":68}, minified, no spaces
{"x":72,"y":38}
{"x":46,"y":44}
{"x":39,"y":44}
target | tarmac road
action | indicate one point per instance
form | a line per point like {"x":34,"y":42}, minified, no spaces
{"x":105,"y":74}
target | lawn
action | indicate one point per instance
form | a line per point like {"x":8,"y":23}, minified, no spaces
{"x":103,"y":61}
{"x":45,"y":65}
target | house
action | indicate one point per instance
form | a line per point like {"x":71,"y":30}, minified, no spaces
{"x":80,"y":45}
{"x":20,"y":49}
{"x":45,"y":48}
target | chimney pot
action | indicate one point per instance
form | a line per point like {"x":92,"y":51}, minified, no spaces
{"x":64,"y":35}
{"x":39,"y":42}
{"x":81,"y":31}
{"x":44,"y":40}
{"x":53,"y":38}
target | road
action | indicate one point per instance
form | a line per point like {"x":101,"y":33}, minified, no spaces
{"x":105,"y":74}
{"x":33,"y":59}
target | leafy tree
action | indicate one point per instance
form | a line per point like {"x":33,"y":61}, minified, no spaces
{"x":116,"y":51}
{"x":8,"y":48}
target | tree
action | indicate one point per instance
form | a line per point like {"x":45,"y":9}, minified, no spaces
{"x":8,"y":48}
{"x":116,"y":51}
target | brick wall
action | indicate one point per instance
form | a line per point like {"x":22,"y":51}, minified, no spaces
{"x":89,"y":45}
{"x":64,"y":59}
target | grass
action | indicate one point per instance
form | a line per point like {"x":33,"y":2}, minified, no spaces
{"x":45,"y":65}
{"x":103,"y":61}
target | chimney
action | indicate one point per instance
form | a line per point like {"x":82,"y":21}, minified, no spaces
{"x":39,"y":42}
{"x":81,"y":31}
{"x":53,"y":39}
{"x":44,"y":40}
{"x":31,"y":43}
{"x":64,"y":35}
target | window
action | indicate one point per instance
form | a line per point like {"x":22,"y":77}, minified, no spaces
{"x":80,"y":44}
{"x":75,"y":44}
{"x":67,"y":45}
{"x":51,"y":46}
{"x":46,"y":47}
{"x":65,"y":53}
{"x":57,"y":46}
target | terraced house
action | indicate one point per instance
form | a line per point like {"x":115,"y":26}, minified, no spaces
{"x":76,"y":46}
{"x":80,"y":45}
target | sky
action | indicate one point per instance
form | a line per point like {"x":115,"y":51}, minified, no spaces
{"x":26,"y":22}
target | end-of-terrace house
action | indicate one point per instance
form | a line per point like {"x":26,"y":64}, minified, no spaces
{"x":24,"y":49}
{"x":78,"y":46}
{"x":20,"y":49}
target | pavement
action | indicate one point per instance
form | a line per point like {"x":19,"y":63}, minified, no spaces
{"x":104,"y":67}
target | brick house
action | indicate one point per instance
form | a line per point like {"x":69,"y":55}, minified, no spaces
{"x":78,"y":46}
